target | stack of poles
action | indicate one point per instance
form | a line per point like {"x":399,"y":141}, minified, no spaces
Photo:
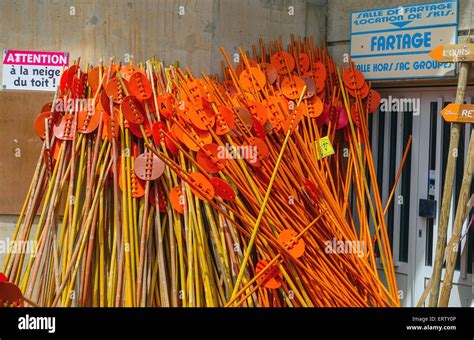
{"x":203,"y":229}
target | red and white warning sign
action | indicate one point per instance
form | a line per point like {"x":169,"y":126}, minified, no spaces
{"x":32,"y":70}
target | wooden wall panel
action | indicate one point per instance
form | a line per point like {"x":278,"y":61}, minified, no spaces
{"x":19,"y":145}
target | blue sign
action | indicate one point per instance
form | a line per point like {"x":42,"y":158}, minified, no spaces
{"x":393,"y":43}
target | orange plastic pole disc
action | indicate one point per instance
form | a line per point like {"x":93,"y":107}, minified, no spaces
{"x":258,"y":111}
{"x":310,"y":189}
{"x":211,"y":158}
{"x":165,"y":105}
{"x":272,"y":277}
{"x":294,"y":118}
{"x":270,"y":72}
{"x":304,"y":62}
{"x":355,"y":115}
{"x":200,"y":181}
{"x":93,"y":78}
{"x":253,"y":79}
{"x":137,"y":132}
{"x":234,"y":100}
{"x":112,"y":71}
{"x":224,"y":120}
{"x":185,"y":110}
{"x":278,"y":61}
{"x":161,"y":199}
{"x":343,"y":118}
{"x":148,"y":167}
{"x":363,"y":92}
{"x":284,"y":103}
{"x":39,"y":122}
{"x":140,"y":86}
{"x":262,"y":148}
{"x":353,"y":78}
{"x":158,"y":131}
{"x":255,"y":151}
{"x":222,"y":189}
{"x":87,"y":122}
{"x":10,"y":295}
{"x":77,"y":87}
{"x":294,"y":246}
{"x":150,"y":105}
{"x":320,"y":85}
{"x":276,"y":116}
{"x":126,"y":71}
{"x":258,"y":130}
{"x":373,"y":101}
{"x":113,"y":127}
{"x":319,"y":71}
{"x":230,"y":88}
{"x":190,"y":143}
{"x":137,"y":185}
{"x":114,"y":89}
{"x":56,"y":148}
{"x":177,"y":199}
{"x":170,"y":145}
{"x":292,"y":88}
{"x":104,"y":102}
{"x":195,"y":89}
{"x":310,"y":87}
{"x":205,"y":136}
{"x":65,"y":82}
{"x":314,"y":107}
{"x":207,"y":93}
{"x":132,"y":110}
{"x":196,"y":138}
{"x":100,"y":110}
{"x":66,"y":128}
{"x":47,"y":107}
{"x":209,"y":111}
{"x":242,"y":66}
{"x":177,"y":130}
{"x":244,"y":115}
{"x":202,"y":119}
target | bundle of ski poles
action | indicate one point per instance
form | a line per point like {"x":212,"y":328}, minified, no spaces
{"x":157,"y":187}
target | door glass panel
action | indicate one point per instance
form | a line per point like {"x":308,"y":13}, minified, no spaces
{"x":432,"y":166}
{"x":405,"y":190}
{"x":391,"y":172}
{"x":458,"y":180}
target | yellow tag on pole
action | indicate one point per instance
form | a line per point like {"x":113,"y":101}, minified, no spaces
{"x":325,"y":147}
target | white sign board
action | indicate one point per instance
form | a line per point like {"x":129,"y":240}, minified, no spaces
{"x":32,"y":70}
{"x":394,"y":43}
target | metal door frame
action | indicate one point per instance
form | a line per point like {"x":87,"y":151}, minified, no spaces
{"x":417,"y":272}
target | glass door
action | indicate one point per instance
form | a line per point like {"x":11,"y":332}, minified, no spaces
{"x":434,"y":147}
{"x":413,"y":232}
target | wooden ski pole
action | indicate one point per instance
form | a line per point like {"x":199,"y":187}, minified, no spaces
{"x":452,"y":247}
{"x":448,"y":186}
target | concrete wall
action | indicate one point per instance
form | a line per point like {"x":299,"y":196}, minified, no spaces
{"x":149,"y":28}
{"x":241,"y":23}
{"x":93,"y":29}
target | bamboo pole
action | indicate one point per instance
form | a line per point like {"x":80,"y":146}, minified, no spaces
{"x":452,"y":248}
{"x":448,"y":185}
